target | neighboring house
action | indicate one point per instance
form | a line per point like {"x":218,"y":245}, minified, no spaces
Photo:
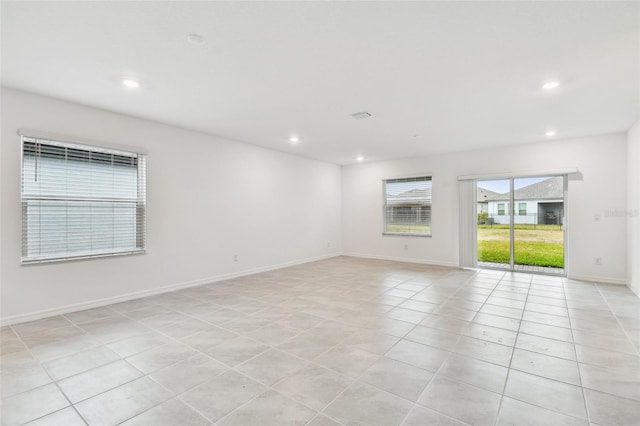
{"x":483,"y":197}
{"x":410,"y":206}
{"x":538,"y":203}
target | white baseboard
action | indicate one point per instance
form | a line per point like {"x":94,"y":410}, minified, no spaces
{"x":31,"y":316}
{"x":595,"y":279}
{"x":607,"y":280}
{"x":404,"y":259}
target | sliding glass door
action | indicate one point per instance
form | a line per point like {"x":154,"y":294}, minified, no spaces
{"x":520,"y":224}
{"x":494,"y":231}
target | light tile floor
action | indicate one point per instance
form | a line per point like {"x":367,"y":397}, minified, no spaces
{"x":343,"y":341}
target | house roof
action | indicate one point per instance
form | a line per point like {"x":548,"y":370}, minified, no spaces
{"x":485,"y":194}
{"x":413,"y":196}
{"x":552,"y":188}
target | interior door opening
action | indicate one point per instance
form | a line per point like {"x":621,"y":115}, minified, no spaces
{"x":520,"y":224}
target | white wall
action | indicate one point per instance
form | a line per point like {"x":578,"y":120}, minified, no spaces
{"x":633,"y":207}
{"x":601,"y":159}
{"x":207,"y":199}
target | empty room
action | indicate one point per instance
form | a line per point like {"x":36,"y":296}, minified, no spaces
{"x":322,"y":213}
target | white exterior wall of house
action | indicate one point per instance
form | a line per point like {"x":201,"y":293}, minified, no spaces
{"x":493,"y":212}
{"x":531,"y":217}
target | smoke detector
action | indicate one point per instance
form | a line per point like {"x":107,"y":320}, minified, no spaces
{"x":361,"y":115}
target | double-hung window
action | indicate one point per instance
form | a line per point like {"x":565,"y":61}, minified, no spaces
{"x":407,"y":206}
{"x":522,"y":209}
{"x":80,"y":201}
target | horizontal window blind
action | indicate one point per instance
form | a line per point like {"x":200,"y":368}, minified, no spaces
{"x":80,"y":201}
{"x":407,"y":206}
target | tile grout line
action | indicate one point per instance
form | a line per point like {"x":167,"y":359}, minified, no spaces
{"x":382,"y":390}
{"x":176,"y":340}
{"x":205,"y":354}
{"x":337,"y":318}
{"x":435,"y":373}
{"x":624,"y":330}
{"x":547,"y":378}
{"x":102,"y":343}
{"x":513,"y":350}
{"x":320,"y":412}
{"x":233,"y":368}
{"x":584,"y":394}
{"x":415,"y":404}
{"x":52,"y":381}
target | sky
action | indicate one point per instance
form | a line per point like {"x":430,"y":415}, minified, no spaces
{"x":502,"y":186}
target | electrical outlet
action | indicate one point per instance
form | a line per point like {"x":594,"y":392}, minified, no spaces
{"x":235,"y":257}
{"x":598,"y":261}
{"x":406,"y":246}
{"x":329,"y":244}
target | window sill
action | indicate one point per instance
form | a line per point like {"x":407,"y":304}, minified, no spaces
{"x":27,"y":262}
{"x":405,"y":234}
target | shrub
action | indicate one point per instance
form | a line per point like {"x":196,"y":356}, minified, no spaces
{"x":483,"y":218}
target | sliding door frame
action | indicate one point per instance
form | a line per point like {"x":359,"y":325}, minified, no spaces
{"x":512,"y":226}
{"x":511,"y":208}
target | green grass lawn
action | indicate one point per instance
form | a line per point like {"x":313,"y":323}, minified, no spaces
{"x":540,"y":247}
{"x":412,"y":228}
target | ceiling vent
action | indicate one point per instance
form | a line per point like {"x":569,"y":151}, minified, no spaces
{"x":361,"y":115}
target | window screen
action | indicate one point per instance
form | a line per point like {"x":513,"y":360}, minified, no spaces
{"x":407,"y":206}
{"x":80,"y":201}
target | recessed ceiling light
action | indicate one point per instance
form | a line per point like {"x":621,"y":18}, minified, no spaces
{"x":362,"y":114}
{"x":359,"y":158}
{"x":294,"y":139}
{"x":133,"y":84}
{"x":195,"y":39}
{"x":549,"y":85}
{"x":550,"y":133}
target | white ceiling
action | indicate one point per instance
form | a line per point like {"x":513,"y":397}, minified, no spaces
{"x":438,"y":76}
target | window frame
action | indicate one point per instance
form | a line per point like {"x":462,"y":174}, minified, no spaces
{"x":427,"y":177}
{"x":501,"y":211}
{"x":140,"y":200}
{"x":520,"y":209}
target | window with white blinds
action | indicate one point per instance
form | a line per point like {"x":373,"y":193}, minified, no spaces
{"x":407,"y":206}
{"x":80,"y":201}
